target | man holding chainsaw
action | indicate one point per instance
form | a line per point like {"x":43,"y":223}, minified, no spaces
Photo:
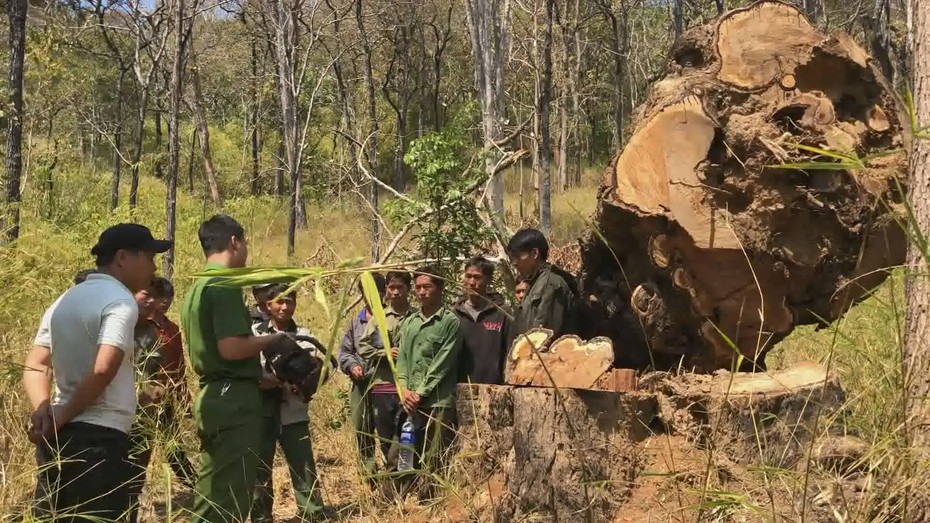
{"x":285,"y":421}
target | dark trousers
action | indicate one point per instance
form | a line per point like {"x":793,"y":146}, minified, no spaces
{"x":433,"y":433}
{"x":363,"y":425}
{"x":148,"y":429}
{"x":298,"y":452}
{"x":83,"y":475}
{"x":384,"y":411}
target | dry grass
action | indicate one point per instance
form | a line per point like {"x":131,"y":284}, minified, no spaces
{"x":863,"y":349}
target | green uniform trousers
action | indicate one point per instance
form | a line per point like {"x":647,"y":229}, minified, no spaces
{"x":363,"y":425}
{"x":229,"y":420}
{"x":298,"y":452}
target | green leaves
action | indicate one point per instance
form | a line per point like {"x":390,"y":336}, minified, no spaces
{"x":837,"y":161}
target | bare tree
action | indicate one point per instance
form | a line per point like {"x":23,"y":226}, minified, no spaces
{"x":151,"y":37}
{"x":488,"y":22}
{"x":203,"y":129}
{"x":917,"y":288}
{"x":721,"y":6}
{"x":372,"y":139}
{"x":542,"y":109}
{"x":124,"y":63}
{"x":617,"y":15}
{"x":678,"y":18}
{"x":397,"y":87}
{"x":183,"y":25}
{"x":16,"y":12}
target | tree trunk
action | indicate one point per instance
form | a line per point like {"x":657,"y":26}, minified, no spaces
{"x":489,"y":30}
{"x":917,"y":288}
{"x":159,"y":170}
{"x":256,"y":115}
{"x":285,"y":35}
{"x":16,"y":11}
{"x":373,"y":140}
{"x":174,"y":138}
{"x":708,"y":261}
{"x":678,"y":18}
{"x":524,"y":450}
{"x":203,"y":130}
{"x":190,"y":164}
{"x":545,"y":143}
{"x":721,"y":6}
{"x":118,"y":139}
{"x":137,"y":148}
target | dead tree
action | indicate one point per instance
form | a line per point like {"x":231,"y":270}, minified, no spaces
{"x":722,"y":229}
{"x":183,"y":26}
{"x":16,"y":12}
{"x":203,"y":129}
{"x":150,"y":38}
{"x":543,"y":105}
{"x":488,"y":27}
{"x":372,"y":140}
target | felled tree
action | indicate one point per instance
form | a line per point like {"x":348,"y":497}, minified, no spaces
{"x":758,"y":192}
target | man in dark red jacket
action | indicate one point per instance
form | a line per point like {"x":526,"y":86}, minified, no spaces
{"x":485,"y":322}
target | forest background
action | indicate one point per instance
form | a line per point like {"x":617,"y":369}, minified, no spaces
{"x":336,"y":130}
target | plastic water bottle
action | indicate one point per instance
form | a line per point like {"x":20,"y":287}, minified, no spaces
{"x":407,"y":444}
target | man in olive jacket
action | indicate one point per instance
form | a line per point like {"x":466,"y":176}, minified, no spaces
{"x":430,"y":347}
{"x":550,"y":300}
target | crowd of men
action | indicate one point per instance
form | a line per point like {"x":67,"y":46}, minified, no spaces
{"x":106,"y":375}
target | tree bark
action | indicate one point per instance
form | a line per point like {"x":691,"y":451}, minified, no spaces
{"x":256,"y":123}
{"x":488,"y":27}
{"x":159,"y":108}
{"x":545,"y":144}
{"x":373,"y":135}
{"x":118,"y":139}
{"x":917,"y":287}
{"x":721,"y":6}
{"x":678,"y":18}
{"x":190,"y":164}
{"x":137,"y":148}
{"x":285,"y":36}
{"x":203,"y":130}
{"x":16,"y":12}
{"x":174,"y":138}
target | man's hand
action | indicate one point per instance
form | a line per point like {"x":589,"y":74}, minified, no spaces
{"x":357,"y":373}
{"x":42,"y":424}
{"x":268,"y":382}
{"x":411,"y":401}
{"x":151,"y":395}
{"x":394,"y":353}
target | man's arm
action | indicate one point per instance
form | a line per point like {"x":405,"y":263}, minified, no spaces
{"x":552,"y":308}
{"x":231,"y":326}
{"x":403,"y":355}
{"x":348,"y":357}
{"x":37,"y":376}
{"x":106,"y":365}
{"x":444,"y":361}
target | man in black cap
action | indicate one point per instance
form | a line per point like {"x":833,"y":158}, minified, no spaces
{"x":86,"y":336}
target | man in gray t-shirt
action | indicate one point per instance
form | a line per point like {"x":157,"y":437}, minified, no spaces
{"x":85,"y":340}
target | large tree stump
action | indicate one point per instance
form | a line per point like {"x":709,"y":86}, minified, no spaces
{"x":541,"y":454}
{"x":720,"y":248}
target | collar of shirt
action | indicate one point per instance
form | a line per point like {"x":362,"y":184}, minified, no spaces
{"x":103,"y":276}
{"x":212,"y":266}
{"x":435,"y":315}
{"x":268,"y":327}
{"x":363,"y":316}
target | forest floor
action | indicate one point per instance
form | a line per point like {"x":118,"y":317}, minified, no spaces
{"x":863,"y":349}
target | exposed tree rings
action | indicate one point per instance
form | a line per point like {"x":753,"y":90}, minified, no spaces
{"x":762,"y":43}
{"x":659,"y":251}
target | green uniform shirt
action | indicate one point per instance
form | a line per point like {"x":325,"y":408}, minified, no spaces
{"x":429,"y":350}
{"x":211,"y":313}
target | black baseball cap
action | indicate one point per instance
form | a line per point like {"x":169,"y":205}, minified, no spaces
{"x":128,"y":236}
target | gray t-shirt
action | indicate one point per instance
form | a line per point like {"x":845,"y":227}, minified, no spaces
{"x":100,"y":311}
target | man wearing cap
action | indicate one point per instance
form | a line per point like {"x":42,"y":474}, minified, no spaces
{"x":225,"y":355}
{"x":81,"y":429}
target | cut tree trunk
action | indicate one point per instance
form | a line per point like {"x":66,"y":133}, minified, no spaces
{"x":720,"y":243}
{"x":541,"y":454}
{"x":568,"y":362}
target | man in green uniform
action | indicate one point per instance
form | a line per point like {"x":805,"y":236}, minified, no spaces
{"x":550,"y":298}
{"x":430,"y":347}
{"x":225,"y":356}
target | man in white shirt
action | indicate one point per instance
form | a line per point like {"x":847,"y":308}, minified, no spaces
{"x":86,"y":340}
